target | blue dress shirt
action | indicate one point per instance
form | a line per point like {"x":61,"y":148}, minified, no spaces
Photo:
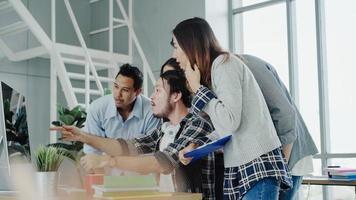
{"x":103,"y":120}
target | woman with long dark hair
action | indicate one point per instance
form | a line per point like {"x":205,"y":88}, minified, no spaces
{"x":226,"y":90}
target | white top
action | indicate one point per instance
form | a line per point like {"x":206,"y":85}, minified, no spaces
{"x":170,"y":131}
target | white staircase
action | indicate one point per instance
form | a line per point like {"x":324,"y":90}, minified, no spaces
{"x":64,"y":57}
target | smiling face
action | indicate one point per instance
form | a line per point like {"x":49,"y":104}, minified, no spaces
{"x":124,"y":92}
{"x":179,"y":54}
{"x":160,"y":99}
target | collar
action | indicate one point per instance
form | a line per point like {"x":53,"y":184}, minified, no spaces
{"x":185,"y":119}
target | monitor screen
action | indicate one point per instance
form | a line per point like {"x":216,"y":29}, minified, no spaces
{"x":13,"y":127}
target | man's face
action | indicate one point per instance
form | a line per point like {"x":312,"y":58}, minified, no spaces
{"x":124,"y":91}
{"x":160,"y":100}
{"x":179,"y":54}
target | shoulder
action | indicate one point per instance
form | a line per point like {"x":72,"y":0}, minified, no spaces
{"x":200,"y":123}
{"x":227,"y":63}
{"x":146,"y":103}
{"x":145,"y":100}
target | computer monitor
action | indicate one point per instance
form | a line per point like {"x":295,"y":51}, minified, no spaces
{"x":13,"y":131}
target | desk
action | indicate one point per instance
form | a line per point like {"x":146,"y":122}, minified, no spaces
{"x":327,"y":181}
{"x":159,"y":196}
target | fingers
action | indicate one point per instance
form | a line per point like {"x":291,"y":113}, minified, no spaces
{"x":196,"y":68}
{"x":57,"y":128}
{"x":182,"y":158}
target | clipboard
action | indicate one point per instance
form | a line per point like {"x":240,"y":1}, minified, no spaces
{"x":204,"y":150}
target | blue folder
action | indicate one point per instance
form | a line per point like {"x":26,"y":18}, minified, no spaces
{"x":204,"y":150}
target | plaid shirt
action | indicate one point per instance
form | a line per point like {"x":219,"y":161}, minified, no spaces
{"x":238,"y":180}
{"x":191,"y":127}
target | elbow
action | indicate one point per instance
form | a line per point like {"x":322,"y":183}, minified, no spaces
{"x":288,"y":138}
{"x":163,"y":170}
{"x":163,"y":163}
{"x":229,"y":125}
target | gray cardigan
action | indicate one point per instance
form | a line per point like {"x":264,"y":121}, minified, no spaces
{"x":287,"y":120}
{"x":240,"y":110}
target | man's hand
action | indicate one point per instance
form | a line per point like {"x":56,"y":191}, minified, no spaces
{"x":92,"y":162}
{"x":70,"y":133}
{"x":189,"y":148}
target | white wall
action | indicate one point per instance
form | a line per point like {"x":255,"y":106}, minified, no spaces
{"x":216,"y":13}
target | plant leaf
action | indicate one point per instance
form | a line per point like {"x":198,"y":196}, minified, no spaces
{"x":67,"y":119}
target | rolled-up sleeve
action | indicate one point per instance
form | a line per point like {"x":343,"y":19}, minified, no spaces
{"x":168,"y":158}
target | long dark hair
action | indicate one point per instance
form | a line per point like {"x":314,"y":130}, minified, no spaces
{"x":197,"y":40}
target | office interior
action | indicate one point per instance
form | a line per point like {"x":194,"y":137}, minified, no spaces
{"x":311,"y":43}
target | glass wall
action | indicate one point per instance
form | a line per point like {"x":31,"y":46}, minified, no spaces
{"x":269,"y":29}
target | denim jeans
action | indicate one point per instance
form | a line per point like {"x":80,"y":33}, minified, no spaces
{"x":265,"y":189}
{"x":291,"y":193}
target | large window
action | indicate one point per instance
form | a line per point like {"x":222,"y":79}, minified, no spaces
{"x":247,"y":2}
{"x":308,"y":72}
{"x":270,"y":29}
{"x":267,"y":40}
{"x":341,"y":51}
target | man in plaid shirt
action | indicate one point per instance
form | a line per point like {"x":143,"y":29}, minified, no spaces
{"x":171,"y":101}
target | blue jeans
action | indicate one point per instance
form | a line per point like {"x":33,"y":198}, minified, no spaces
{"x":291,"y":193}
{"x":265,"y":189}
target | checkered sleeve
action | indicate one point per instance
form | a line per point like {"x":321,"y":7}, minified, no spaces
{"x":201,"y":98}
{"x":148,"y":143}
{"x":168,"y":158}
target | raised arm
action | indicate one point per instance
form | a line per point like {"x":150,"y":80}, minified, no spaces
{"x":108,"y":145}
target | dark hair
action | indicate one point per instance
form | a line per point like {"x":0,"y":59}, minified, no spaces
{"x":171,"y":62}
{"x":178,"y":83}
{"x":132,"y":72}
{"x":197,"y":40}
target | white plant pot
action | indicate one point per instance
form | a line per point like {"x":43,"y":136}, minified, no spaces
{"x":47,"y":183}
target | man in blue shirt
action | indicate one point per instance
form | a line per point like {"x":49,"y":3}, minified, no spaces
{"x":125,"y":114}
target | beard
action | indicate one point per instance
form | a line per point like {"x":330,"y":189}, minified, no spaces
{"x":165,"y":111}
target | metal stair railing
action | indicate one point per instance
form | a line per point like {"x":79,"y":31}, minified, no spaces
{"x":90,"y":65}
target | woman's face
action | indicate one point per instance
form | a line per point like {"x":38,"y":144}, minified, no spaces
{"x":179,"y":54}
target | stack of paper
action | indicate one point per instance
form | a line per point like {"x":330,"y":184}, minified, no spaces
{"x":115,"y":186}
{"x":342,"y":173}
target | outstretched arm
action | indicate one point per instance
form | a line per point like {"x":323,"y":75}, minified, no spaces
{"x":108,"y":145}
{"x":142,"y":164}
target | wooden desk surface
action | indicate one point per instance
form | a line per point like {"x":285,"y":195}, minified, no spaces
{"x":158,"y":196}
{"x":326,"y":181}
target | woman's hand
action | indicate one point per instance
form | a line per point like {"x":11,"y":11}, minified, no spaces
{"x":193,"y":77}
{"x":181,"y":153}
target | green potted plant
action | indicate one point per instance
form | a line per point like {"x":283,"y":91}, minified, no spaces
{"x":76,"y":117}
{"x":47,"y":162}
